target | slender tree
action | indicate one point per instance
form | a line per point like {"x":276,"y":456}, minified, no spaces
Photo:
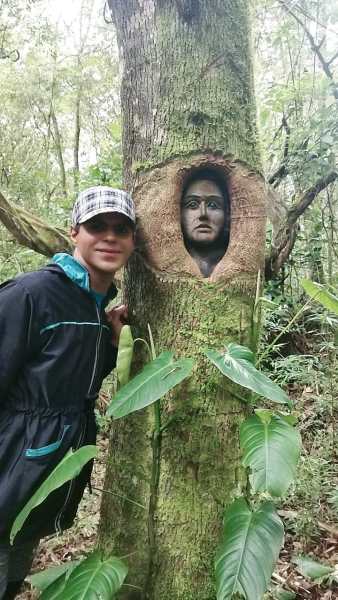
{"x":187,"y":104}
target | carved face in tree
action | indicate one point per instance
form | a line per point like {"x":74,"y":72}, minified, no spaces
{"x":203,"y":221}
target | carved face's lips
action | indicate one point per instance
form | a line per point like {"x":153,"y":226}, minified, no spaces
{"x":203,"y":228}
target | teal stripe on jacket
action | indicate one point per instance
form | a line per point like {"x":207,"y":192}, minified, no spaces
{"x":55,"y":325}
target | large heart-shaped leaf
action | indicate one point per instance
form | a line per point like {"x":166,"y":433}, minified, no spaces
{"x":313,"y":569}
{"x":55,"y":589}
{"x":249,"y":551}
{"x":124,"y":355}
{"x":321,"y":294}
{"x":68,"y":468}
{"x":236,"y":363}
{"x":44,"y":579}
{"x":271,"y":449}
{"x":95,"y":577}
{"x":156,"y":379}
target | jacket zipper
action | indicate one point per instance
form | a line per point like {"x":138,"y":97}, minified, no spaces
{"x":57,"y":525}
{"x":98,"y":340}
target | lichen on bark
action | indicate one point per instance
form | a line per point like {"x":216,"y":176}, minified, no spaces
{"x":187,"y":86}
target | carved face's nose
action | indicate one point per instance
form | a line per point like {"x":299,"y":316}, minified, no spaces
{"x":203,"y":210}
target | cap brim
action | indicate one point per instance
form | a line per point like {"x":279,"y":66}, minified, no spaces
{"x":104,"y":210}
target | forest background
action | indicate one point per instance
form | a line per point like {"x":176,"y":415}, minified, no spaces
{"x":60,"y":131}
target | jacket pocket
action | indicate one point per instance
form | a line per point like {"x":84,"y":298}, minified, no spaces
{"x":45,"y":450}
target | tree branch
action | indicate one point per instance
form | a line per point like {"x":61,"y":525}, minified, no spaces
{"x":296,"y":211}
{"x":31,"y":231}
{"x":316,"y":49}
{"x":333,"y":58}
{"x":282,"y":170}
{"x":285,"y":240}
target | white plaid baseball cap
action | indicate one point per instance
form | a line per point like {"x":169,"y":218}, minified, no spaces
{"x":102,"y":199}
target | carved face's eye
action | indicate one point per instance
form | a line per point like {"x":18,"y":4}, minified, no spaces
{"x":214,"y":205}
{"x":192,"y":203}
{"x":209,"y":203}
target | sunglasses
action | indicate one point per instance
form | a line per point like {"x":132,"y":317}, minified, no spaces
{"x":97,"y":225}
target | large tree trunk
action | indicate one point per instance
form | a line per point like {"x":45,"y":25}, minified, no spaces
{"x":187,"y":102}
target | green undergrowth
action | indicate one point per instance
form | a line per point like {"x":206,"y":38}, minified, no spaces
{"x":304,"y":361}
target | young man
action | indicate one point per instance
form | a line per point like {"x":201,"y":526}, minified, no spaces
{"x":56,"y":346}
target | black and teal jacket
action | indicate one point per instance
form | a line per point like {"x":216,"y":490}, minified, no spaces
{"x":55,"y":350}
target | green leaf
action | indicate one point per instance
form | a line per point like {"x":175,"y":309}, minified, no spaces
{"x":321,"y":294}
{"x":45,"y":578}
{"x":246,"y":557}
{"x":69,"y":467}
{"x":264,"y":415}
{"x":241,"y":352}
{"x":312,"y":569}
{"x":290,"y":419}
{"x":271,"y":450}
{"x":236,"y":364}
{"x":93,"y":578}
{"x":124,"y":355}
{"x":156,"y":379}
{"x":268,"y":303}
{"x":55,"y":589}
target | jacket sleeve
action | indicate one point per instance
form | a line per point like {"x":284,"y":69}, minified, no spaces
{"x":19,"y":335}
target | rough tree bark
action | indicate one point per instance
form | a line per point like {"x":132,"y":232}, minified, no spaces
{"x":188,"y":103}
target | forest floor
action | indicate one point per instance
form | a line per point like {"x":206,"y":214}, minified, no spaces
{"x":308,"y":513}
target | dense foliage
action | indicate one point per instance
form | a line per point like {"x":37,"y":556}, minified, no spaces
{"x":59,"y":122}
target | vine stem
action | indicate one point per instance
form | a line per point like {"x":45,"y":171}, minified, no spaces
{"x":134,"y":587}
{"x":146,"y":344}
{"x":157,"y":409}
{"x":119,"y":496}
{"x":156,"y":444}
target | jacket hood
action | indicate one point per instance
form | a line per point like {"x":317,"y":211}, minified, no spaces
{"x":79,"y":275}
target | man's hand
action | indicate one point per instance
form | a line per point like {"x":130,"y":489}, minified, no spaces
{"x":117,"y":317}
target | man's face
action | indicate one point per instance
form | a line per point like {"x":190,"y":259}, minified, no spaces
{"x":104,"y":243}
{"x":203,"y":213}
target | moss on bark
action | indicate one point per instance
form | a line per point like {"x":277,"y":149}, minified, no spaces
{"x":199,"y":460}
{"x":187,"y":89}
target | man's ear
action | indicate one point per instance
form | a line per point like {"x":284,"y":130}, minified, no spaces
{"x":73,"y":233}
